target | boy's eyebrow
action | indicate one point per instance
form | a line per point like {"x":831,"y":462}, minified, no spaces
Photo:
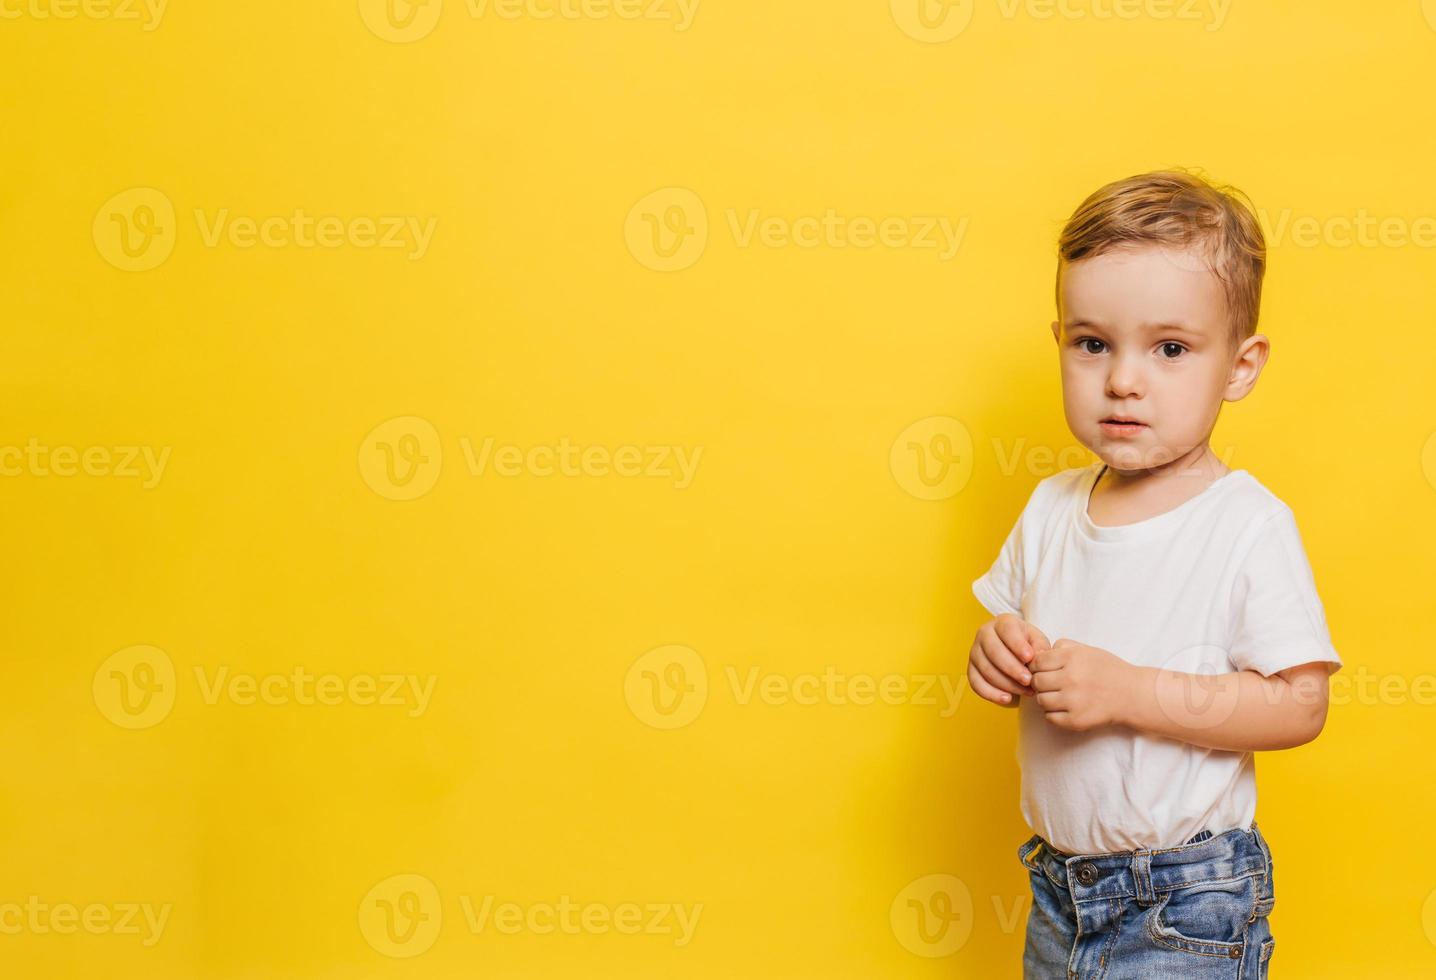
{"x":1157,"y":327}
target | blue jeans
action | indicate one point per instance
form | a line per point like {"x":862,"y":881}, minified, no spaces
{"x":1198,"y":910}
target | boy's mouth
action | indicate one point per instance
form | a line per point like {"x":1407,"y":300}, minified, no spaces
{"x":1121,"y":425}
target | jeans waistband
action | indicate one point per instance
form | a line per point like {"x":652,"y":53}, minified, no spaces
{"x":1064,"y":855}
{"x":1232,"y":854}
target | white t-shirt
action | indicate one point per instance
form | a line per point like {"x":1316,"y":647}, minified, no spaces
{"x":1219,"y":583}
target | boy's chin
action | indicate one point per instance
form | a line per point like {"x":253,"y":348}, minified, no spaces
{"x":1127,"y":458}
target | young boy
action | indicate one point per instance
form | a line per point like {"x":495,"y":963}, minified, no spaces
{"x":1156,"y":618}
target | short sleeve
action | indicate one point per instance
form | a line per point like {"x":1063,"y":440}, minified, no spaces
{"x":1278,"y":620}
{"x":1000,"y":589}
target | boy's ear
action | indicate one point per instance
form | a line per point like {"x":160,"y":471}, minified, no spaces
{"x":1250,"y":358}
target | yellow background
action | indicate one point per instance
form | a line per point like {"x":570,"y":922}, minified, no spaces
{"x":798,"y":546}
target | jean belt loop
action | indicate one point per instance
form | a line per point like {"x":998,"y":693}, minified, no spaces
{"x":1142,"y":876}
{"x":1025,"y":853}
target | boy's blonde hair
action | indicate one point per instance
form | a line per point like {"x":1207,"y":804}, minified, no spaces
{"x":1179,"y":209}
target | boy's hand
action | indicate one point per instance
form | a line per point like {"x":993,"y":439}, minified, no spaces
{"x":998,"y":665}
{"x":1080,"y":687}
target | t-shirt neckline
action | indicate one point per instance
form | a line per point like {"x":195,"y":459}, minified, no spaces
{"x":1151,"y":526}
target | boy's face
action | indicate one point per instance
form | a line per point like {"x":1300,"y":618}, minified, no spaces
{"x":1145,"y":334}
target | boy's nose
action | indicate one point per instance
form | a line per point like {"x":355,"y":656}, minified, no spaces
{"x":1124,"y":379}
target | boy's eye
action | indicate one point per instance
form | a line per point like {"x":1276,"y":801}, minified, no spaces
{"x":1171,"y":350}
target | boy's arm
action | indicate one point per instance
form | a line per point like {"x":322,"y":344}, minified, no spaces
{"x":1241,"y":711}
{"x":1082,"y":687}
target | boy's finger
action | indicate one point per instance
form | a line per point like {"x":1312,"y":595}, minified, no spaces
{"x":1006,"y":661}
{"x":995,"y":677}
{"x":1013,"y":634}
{"x":1047,"y":660}
{"x":1037,"y":638}
{"x":984,"y":689}
{"x":1046,"y":680}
